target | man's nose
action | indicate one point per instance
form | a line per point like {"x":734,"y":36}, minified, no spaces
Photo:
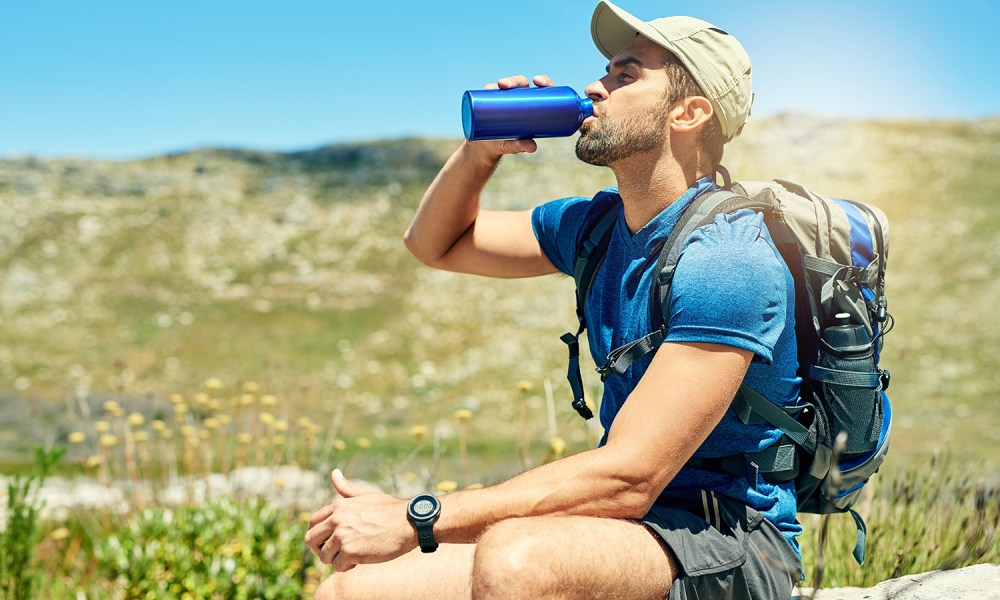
{"x":596,"y":91}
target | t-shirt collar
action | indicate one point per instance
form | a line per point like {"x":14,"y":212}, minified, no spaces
{"x":660,"y":226}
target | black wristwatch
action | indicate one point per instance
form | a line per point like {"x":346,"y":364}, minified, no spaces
{"x":422,"y":512}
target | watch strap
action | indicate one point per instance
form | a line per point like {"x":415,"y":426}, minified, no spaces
{"x":425,"y":536}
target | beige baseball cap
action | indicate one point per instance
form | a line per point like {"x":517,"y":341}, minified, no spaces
{"x":715,"y":59}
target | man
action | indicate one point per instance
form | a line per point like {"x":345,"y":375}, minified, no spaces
{"x":628,"y":519}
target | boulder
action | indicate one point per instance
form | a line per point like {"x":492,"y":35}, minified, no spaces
{"x":979,"y":582}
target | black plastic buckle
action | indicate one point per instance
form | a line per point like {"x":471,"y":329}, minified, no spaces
{"x":884,"y":379}
{"x":581,"y":407}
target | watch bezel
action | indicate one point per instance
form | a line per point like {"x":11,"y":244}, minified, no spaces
{"x":418,"y":518}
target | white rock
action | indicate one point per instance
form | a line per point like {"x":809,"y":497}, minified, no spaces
{"x":978,"y":582}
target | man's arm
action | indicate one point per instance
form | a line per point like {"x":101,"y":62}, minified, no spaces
{"x":451,"y":232}
{"x":680,"y":399}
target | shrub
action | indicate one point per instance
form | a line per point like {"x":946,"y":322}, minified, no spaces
{"x":225,"y":549}
{"x":18,"y":574}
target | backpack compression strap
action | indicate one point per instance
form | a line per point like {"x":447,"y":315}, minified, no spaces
{"x":589,"y":258}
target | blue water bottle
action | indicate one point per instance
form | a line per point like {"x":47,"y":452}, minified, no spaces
{"x":524,"y":112}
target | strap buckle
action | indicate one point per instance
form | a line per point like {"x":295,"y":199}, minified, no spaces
{"x":573,"y":374}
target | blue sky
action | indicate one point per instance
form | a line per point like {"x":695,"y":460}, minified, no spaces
{"x":126,"y":79}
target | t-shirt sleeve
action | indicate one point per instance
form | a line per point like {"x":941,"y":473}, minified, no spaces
{"x":557,"y":226}
{"x":730,"y":287}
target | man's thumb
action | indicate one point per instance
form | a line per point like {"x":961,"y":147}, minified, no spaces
{"x":345,"y":487}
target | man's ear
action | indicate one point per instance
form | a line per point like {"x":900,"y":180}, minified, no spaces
{"x":690,"y":114}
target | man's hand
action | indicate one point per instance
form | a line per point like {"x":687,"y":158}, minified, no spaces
{"x":366,"y":526}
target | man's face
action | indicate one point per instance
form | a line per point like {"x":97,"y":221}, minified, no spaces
{"x":630,"y":113}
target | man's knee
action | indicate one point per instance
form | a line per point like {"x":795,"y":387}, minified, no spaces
{"x":513,"y":556}
{"x":327,"y":589}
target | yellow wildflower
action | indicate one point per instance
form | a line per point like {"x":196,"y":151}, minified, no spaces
{"x":211,"y":424}
{"x":446,"y":487}
{"x":136,"y":420}
{"x":93,"y":462}
{"x":524,"y":386}
{"x":158,"y":425}
{"x":419,"y":432}
{"x":59,"y":534}
{"x":268,"y":400}
{"x":244,"y":438}
{"x":339,"y":445}
{"x":213,"y":384}
{"x":102,"y":426}
{"x":557,"y":446}
{"x":281,"y":425}
{"x":108,"y":441}
{"x":176,"y":398}
{"x":251,"y":387}
{"x":463,"y":415}
{"x":363,"y":443}
{"x":76,"y":437}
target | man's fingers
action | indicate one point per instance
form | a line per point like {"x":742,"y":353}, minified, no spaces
{"x":328,"y":550}
{"x":342,"y":563}
{"x":513,"y":82}
{"x":317,"y":535}
{"x":517,"y":146}
{"x":320,"y":515}
{"x":542,"y":81}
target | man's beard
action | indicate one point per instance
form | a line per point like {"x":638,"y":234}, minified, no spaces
{"x":611,"y":141}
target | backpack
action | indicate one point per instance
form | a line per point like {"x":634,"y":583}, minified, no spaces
{"x":837,"y":436}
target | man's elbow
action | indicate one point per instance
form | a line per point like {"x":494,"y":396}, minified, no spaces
{"x":638,"y":499}
{"x":420,"y":251}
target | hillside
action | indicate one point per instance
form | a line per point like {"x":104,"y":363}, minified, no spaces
{"x":142,"y":278}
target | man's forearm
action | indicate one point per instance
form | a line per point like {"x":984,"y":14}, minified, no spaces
{"x":451,"y":203}
{"x":594,"y":483}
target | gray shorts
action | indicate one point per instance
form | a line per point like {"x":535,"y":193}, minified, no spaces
{"x":729,"y":551}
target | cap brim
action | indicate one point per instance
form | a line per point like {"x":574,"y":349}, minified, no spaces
{"x":612,"y":29}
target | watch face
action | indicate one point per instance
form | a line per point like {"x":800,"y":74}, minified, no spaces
{"x":424,"y":506}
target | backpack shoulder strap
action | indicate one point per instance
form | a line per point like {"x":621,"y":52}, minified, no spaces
{"x":590,"y":255}
{"x":591,"y":251}
{"x":701,"y":212}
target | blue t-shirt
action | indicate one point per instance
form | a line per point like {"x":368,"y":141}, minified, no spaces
{"x":730,"y":287}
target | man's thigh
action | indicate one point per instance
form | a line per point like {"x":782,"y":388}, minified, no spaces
{"x":537,"y":557}
{"x":571,"y":557}
{"x":414,"y":576}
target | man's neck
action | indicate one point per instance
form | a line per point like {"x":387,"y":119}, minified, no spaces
{"x":647,"y":187}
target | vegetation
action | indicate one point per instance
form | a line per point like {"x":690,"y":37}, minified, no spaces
{"x":269,"y":295}
{"x":19,"y":578}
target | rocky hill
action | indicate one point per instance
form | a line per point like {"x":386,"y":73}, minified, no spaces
{"x":146,"y":277}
